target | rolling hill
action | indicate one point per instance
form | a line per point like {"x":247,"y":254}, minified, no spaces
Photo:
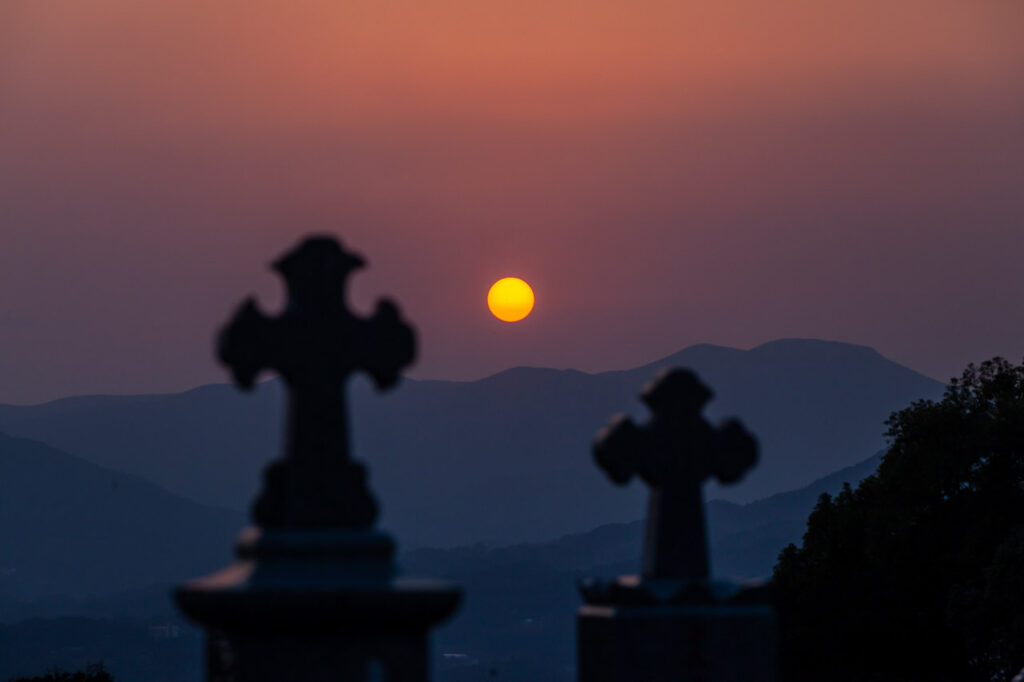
{"x":115,"y":543}
{"x":518,"y":617}
{"x":69,"y":527}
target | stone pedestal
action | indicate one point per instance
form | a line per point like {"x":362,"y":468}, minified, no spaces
{"x":677,"y":643}
{"x":316,"y":606}
{"x":662,"y":632}
{"x":313,"y":596}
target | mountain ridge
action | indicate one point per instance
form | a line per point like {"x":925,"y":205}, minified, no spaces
{"x":505,"y":458}
{"x":102,"y":398}
{"x":68,"y":526}
{"x":727,"y":522}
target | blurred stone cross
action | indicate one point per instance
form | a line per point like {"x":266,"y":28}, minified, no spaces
{"x":674,"y":453}
{"x":315,"y":594}
{"x":315,"y":344}
{"x":673,"y":622}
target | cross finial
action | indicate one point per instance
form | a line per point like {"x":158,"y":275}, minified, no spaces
{"x":315,"y":344}
{"x":674,"y":453}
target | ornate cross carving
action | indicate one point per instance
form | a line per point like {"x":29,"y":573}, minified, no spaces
{"x":315,"y":344}
{"x":674,"y":453}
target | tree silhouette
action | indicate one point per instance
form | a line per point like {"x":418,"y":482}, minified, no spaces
{"x":94,"y":672}
{"x":918,"y":574}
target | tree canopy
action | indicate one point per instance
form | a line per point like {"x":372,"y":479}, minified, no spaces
{"x":918,"y":573}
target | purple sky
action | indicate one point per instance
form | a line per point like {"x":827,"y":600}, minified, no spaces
{"x":663,"y":173}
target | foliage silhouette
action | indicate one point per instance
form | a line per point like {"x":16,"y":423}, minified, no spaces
{"x":916,"y":574}
{"x":94,"y":672}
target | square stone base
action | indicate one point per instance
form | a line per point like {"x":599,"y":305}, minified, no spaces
{"x":676,"y":644}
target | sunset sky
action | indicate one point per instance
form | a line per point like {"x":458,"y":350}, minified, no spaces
{"x":662,"y":173}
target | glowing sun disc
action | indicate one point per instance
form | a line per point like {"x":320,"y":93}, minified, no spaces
{"x":510,"y":299}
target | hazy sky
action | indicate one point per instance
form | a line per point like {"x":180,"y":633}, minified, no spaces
{"x":663,"y":172}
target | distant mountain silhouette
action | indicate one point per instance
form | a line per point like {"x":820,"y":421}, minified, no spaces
{"x":69,"y":527}
{"x":521,"y":600}
{"x":745,"y":539}
{"x":506,"y":458}
{"x":77,"y":537}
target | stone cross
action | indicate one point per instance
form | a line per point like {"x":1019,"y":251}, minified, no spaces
{"x":315,"y":594}
{"x":674,"y":453}
{"x":315,"y":344}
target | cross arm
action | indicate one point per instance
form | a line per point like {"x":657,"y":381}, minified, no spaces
{"x":246,"y":344}
{"x":390,"y":345}
{"x":736,"y":450}
{"x":618,"y":448}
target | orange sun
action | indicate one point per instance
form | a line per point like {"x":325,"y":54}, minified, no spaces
{"x":510,"y":299}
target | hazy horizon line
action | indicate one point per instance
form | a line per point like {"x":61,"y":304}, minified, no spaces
{"x":488,"y":375}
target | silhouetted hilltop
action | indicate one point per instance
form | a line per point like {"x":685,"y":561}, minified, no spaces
{"x":505,"y":458}
{"x":745,"y":539}
{"x":70,"y":527}
{"x":521,"y":600}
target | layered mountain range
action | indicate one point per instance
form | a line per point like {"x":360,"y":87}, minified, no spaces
{"x":501,"y":460}
{"x":70,"y":527}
